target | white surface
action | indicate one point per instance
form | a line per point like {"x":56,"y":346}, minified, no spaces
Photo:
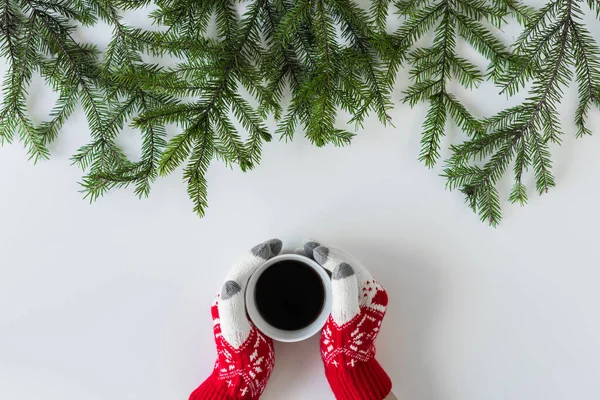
{"x":111,"y":300}
{"x":279,"y":334}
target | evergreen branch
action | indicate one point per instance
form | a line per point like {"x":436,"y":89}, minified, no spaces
{"x":13,"y":116}
{"x":379,"y":11}
{"x":329,"y":55}
{"x":523,"y":13}
{"x":195,"y":172}
{"x":432,"y":67}
{"x":274,"y":44}
{"x":522,"y":133}
{"x":587,"y":73}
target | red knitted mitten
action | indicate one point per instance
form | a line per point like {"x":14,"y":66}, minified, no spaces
{"x":245,"y":356}
{"x":347,"y":340}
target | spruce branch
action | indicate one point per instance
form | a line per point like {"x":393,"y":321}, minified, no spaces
{"x":273,"y":47}
{"x":329,"y":54}
{"x":121,"y":61}
{"x":324,"y":73}
{"x":434,"y":66}
{"x":213,"y":74}
{"x":18,"y":45}
{"x":554,"y":47}
{"x":324,"y":56}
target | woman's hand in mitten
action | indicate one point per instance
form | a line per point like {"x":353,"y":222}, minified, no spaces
{"x":347,"y":340}
{"x":245,"y":356}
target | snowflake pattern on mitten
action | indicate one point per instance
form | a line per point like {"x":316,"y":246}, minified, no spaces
{"x":348,"y":337}
{"x":245,"y":370}
{"x":351,"y":343}
{"x":245,"y":357}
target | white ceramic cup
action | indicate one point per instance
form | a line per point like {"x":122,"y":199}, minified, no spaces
{"x":279,"y":334}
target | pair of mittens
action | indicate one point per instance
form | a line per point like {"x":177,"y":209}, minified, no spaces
{"x":246,"y":356}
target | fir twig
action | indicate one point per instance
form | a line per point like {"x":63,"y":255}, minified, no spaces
{"x":553,"y":42}
{"x":434,"y":66}
{"x":325,"y":56}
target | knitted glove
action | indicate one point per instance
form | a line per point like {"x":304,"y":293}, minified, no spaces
{"x":347,"y":340}
{"x":245,"y":356}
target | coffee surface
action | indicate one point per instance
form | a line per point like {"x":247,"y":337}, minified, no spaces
{"x":289,"y":295}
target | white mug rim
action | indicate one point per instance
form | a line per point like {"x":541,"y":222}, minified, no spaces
{"x":279,"y":334}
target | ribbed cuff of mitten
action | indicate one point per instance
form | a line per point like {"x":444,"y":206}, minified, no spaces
{"x":212,"y":389}
{"x":366,"y":381}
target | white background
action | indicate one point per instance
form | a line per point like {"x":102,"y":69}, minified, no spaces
{"x":111,"y":300}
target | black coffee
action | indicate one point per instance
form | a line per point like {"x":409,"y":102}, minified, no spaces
{"x":289,"y":295}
